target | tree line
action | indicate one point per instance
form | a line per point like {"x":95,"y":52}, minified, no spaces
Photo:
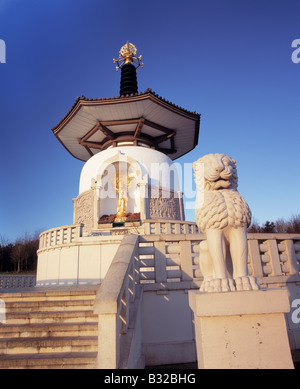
{"x":290,"y":226}
{"x":20,"y":256}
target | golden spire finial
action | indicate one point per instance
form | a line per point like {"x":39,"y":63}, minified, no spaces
{"x":127,"y":55}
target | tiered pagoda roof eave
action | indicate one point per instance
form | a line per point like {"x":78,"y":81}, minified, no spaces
{"x":91,"y":125}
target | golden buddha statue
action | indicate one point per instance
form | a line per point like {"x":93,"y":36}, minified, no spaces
{"x":121,"y":183}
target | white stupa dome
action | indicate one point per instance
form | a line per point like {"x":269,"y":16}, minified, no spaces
{"x":159,"y":169}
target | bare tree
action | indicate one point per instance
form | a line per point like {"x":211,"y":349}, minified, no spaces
{"x":290,"y":226}
{"x":281,"y":226}
{"x":294,"y":224}
{"x":254,"y":227}
{"x":20,"y":253}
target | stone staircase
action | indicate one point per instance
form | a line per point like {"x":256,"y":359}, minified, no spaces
{"x":49,"y":328}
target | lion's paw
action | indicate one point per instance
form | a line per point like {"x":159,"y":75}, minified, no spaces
{"x":246,"y":283}
{"x":217,"y":285}
{"x":210,"y":284}
{"x":206,"y":285}
{"x":224,"y":285}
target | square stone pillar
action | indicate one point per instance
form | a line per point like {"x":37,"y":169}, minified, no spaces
{"x":241,"y":330}
{"x":144,"y":201}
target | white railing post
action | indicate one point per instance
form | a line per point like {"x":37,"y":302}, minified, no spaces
{"x":292,"y":258}
{"x":186,"y":260}
{"x":255,"y":259}
{"x":160,"y":261}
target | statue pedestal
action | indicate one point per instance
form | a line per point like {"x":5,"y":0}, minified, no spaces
{"x":241,"y":330}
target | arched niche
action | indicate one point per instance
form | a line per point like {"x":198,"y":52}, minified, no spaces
{"x":107,"y":195}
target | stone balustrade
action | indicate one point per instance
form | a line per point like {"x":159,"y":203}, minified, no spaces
{"x":60,"y":235}
{"x":13,"y":281}
{"x":69,"y":234}
{"x":173,"y":258}
{"x":165,"y":227}
{"x":273,"y":258}
{"x":168,"y":252}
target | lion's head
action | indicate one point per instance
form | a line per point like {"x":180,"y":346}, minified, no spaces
{"x":218,"y":170}
{"x":218,"y":202}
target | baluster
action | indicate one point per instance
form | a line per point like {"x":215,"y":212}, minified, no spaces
{"x":273,"y":250}
{"x":254,"y":253}
{"x":292,"y":259}
{"x":186,"y":260}
{"x":160,"y":262}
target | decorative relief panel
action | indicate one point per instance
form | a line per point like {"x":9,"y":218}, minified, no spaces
{"x":163,"y":204}
{"x":84,"y":210}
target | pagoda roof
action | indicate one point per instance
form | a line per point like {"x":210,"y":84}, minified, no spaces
{"x":92,"y":125}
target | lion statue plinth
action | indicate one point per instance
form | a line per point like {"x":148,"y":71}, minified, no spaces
{"x":223,"y":214}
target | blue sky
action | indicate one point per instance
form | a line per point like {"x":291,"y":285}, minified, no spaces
{"x":228,"y":60}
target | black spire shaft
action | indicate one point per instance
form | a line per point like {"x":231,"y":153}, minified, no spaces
{"x":126,"y":62}
{"x":128,"y":83}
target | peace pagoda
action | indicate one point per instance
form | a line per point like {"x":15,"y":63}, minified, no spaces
{"x":128,"y":144}
{"x":119,"y":288}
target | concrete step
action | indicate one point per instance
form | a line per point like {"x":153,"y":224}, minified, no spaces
{"x":41,"y":306}
{"x":71,"y":360}
{"x":48,"y":345}
{"x":50,"y":317}
{"x":48,"y":330}
{"x":50,"y":294}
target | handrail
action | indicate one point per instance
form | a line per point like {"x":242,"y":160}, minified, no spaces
{"x":112,"y":302}
{"x":110,"y":290}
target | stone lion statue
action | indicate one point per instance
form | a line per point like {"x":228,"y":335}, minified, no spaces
{"x":223,"y":214}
